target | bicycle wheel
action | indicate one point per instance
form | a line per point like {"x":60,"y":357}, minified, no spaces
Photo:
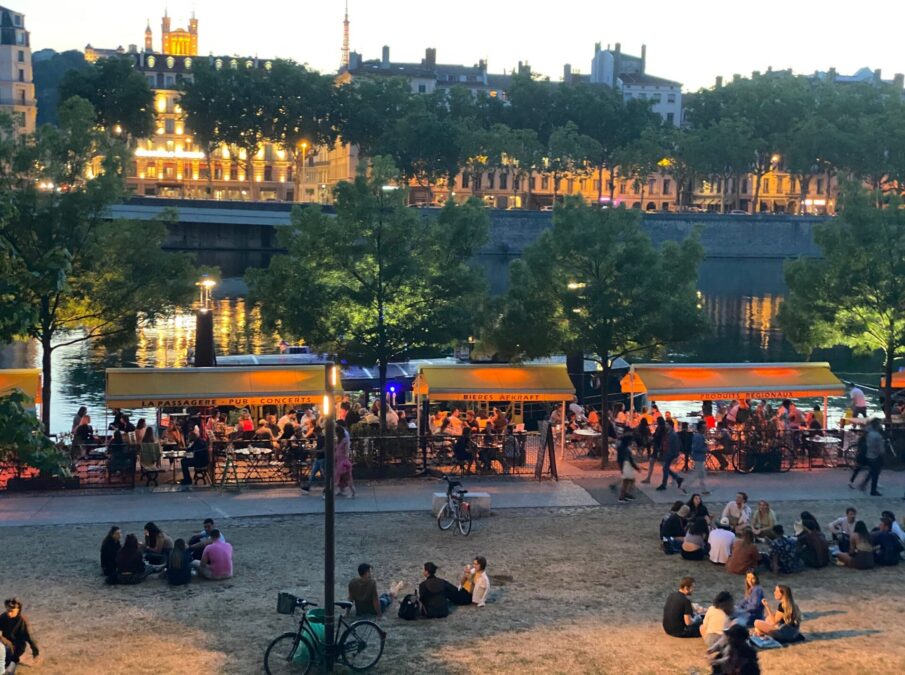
{"x":445,"y":518}
{"x":361,"y":645}
{"x":288,"y":654}
{"x":464,"y":518}
{"x":786,"y":458}
{"x":743,"y":461}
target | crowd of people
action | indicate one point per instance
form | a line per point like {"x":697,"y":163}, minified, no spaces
{"x":130,"y":561}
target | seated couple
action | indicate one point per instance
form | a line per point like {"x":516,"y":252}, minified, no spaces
{"x":435,"y":593}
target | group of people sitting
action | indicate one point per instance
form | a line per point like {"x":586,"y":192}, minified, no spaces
{"x":724,"y":626}
{"x":131,"y":561}
{"x":732,"y":539}
{"x":434,"y":595}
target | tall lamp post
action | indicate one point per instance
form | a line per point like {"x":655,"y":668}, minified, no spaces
{"x":205,"y":353}
{"x":329,"y":516}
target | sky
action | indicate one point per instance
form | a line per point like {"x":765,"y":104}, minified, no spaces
{"x":691,"y":42}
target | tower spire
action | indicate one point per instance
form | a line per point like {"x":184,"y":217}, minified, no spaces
{"x":344,"y":61}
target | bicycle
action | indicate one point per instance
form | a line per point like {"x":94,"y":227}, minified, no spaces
{"x":456,"y":509}
{"x":359,"y":643}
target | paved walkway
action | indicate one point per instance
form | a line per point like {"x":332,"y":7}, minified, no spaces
{"x":580,"y":488}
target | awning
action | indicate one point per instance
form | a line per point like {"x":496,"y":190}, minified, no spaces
{"x":501,"y":382}
{"x":202,"y":387}
{"x":26,"y":380}
{"x":699,"y":381}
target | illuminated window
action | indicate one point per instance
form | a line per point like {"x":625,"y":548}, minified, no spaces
{"x":249,"y":64}
{"x":151,"y":62}
{"x":170,"y":62}
{"x":268,"y":65}
{"x":169,"y":126}
{"x":234,"y":63}
{"x":218,"y":64}
{"x":187,"y":63}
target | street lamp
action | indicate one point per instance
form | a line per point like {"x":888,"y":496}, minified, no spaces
{"x":330,"y":382}
{"x":205,"y":285}
{"x":205,"y":350}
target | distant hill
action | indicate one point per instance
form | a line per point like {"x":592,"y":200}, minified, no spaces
{"x":49,"y":67}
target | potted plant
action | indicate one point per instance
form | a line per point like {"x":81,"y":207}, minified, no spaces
{"x":24,"y":446}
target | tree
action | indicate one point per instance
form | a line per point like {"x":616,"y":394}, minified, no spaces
{"x":569,"y":152}
{"x":48,"y":73}
{"x":366,"y":107}
{"x":21,"y":439}
{"x":381,"y":281}
{"x":204,"y":105}
{"x":78,"y":275}
{"x":594,"y":284}
{"x":120,"y":95}
{"x":245,"y":124}
{"x":854,"y":295}
{"x":642,"y":157}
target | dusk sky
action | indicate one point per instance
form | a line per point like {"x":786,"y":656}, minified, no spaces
{"x":691,"y":42}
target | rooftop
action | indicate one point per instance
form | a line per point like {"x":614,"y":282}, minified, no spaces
{"x":641,"y":80}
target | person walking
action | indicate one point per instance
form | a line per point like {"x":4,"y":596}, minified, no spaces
{"x":656,"y":442}
{"x":342,"y":465}
{"x":876,"y":446}
{"x":859,"y":402}
{"x":672,"y":446}
{"x":317,"y":468}
{"x":627,"y":466}
{"x":699,"y":457}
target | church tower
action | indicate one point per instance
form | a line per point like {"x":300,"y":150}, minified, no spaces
{"x":149,"y":38}
{"x":193,"y":34}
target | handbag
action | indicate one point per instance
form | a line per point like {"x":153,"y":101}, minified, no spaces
{"x":628,"y":471}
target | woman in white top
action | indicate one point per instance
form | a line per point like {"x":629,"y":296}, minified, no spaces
{"x":475,"y":584}
{"x":716,"y":619}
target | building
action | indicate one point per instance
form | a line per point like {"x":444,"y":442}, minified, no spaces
{"x":17,"y":89}
{"x":178,"y":42}
{"x":617,"y":70}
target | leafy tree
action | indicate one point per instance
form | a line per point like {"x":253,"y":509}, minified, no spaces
{"x":381,"y":281}
{"x":120,"y":95}
{"x":21,"y":439}
{"x":366,"y":107}
{"x":204,"y":103}
{"x":245,"y":124}
{"x":594,"y":284}
{"x":854,"y":294}
{"x":642,"y":157}
{"x":569,"y":152}
{"x":48,"y":73}
{"x":77,"y":275}
{"x":520,"y":152}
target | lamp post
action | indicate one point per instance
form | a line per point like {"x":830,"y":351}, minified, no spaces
{"x":329,"y":516}
{"x":205,"y":286}
{"x":205,"y":353}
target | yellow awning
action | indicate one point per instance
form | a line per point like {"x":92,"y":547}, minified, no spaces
{"x":698,"y":381}
{"x":26,"y":380}
{"x":202,"y":387}
{"x":501,"y":382}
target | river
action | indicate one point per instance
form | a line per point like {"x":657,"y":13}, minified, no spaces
{"x":740,"y":298}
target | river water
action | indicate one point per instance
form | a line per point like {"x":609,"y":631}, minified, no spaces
{"x":741,"y":299}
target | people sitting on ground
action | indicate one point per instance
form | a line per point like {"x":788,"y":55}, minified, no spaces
{"x":179,"y":564}
{"x":784,"y":624}
{"x":783,"y":557}
{"x":717,"y":618}
{"x":738,"y":512}
{"x":15,"y":635}
{"x":841,"y":529}
{"x":198,"y":542}
{"x":734,"y":655}
{"x":673,"y":525}
{"x":763,"y":521}
{"x":474,"y":585}
{"x":697,"y":508}
{"x":157,"y":545}
{"x":435,"y":593}
{"x":809,"y":520}
{"x":363,"y":592}
{"x":745,"y":555}
{"x":860,"y":554}
{"x":886,"y":545}
{"x":110,"y":547}
{"x":694,"y":546}
{"x":896,"y":528}
{"x":812,"y":545}
{"x":130,"y":565}
{"x":200,"y":458}
{"x":751,"y":607}
{"x":679,"y":616}
{"x":216,"y":560}
{"x":721,"y":540}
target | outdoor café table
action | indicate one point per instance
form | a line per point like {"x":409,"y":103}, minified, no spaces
{"x":173,"y":455}
{"x":254,"y":459}
{"x":823,"y":447}
{"x":586,"y":438}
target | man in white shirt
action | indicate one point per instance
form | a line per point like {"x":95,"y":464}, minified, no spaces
{"x":738,"y":512}
{"x":842,"y":527}
{"x":721,"y":540}
{"x":895,"y":528}
{"x":859,"y":402}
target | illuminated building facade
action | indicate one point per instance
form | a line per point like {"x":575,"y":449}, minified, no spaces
{"x":17,"y":89}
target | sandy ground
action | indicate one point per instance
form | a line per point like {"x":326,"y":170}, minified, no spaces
{"x":575,"y":591}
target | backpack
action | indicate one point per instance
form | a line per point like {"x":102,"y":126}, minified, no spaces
{"x":409,"y":608}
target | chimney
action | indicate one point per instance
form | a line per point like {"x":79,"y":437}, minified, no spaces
{"x":524,"y":68}
{"x":617,"y":63}
{"x":385,"y":57}
{"x":643,"y":59}
{"x":430,"y":56}
{"x":482,"y":64}
{"x":898,"y":81}
{"x":567,"y":73}
{"x":877,"y":77}
{"x":736,"y":77}
{"x":769,"y":69}
{"x":719,"y":81}
{"x":596,"y":48}
{"x":831,"y":75}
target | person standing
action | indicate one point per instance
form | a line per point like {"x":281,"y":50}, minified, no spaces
{"x":627,"y":466}
{"x":875,"y":447}
{"x":317,"y":468}
{"x":686,"y":436}
{"x":342,"y":465}
{"x":699,"y":457}
{"x":672,"y":446}
{"x":859,"y":402}
{"x":15,"y":634}
{"x":658,"y":442}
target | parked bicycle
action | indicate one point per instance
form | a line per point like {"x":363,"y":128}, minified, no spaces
{"x":456,"y":510}
{"x":359,"y":643}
